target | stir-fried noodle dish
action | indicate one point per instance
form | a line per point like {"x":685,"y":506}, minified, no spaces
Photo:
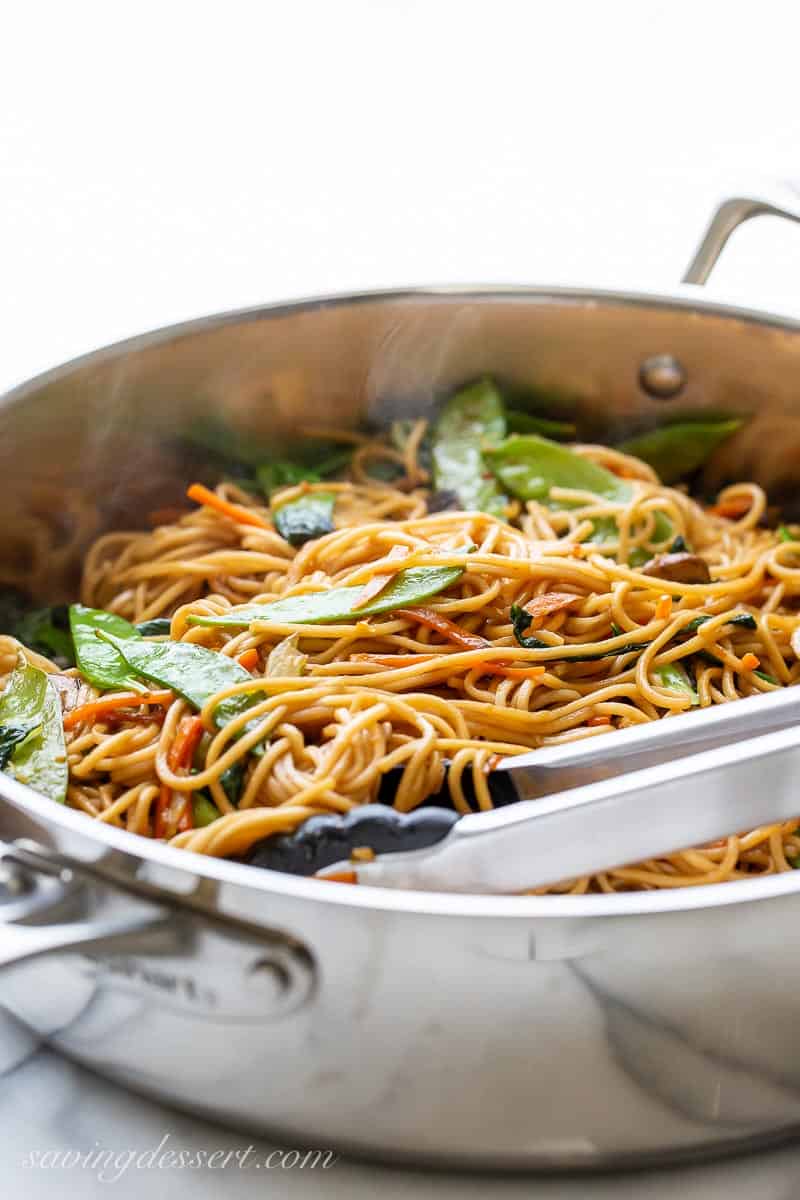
{"x":350,"y":636}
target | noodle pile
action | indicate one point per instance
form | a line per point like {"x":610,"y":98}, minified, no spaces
{"x":391,"y":692}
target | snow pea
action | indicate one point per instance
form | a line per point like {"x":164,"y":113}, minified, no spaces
{"x":98,"y":660}
{"x":674,"y":451}
{"x":408,"y":588}
{"x":470,"y":418}
{"x":194,"y":672}
{"x":33,"y":743}
{"x":306,"y":517}
{"x":530,"y":466}
{"x":525,"y":422}
{"x":675,"y":677}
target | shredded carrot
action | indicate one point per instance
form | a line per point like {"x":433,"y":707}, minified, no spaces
{"x":243,"y":516}
{"x":249,"y":659}
{"x":599,"y":721}
{"x":340,"y":877}
{"x":750,"y":662}
{"x":548,"y":603}
{"x":97,"y":708}
{"x":453,"y":633}
{"x":162,"y":808}
{"x":174,"y":813}
{"x":734,"y":508}
{"x":664,"y":608}
{"x":181,"y":752}
{"x":534,"y":672}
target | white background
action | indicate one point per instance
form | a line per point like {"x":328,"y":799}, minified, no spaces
{"x":159,"y":160}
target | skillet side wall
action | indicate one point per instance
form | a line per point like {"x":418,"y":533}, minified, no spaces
{"x":488,"y":1039}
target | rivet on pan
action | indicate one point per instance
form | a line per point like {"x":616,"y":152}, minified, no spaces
{"x":662,"y":376}
{"x":271,"y":974}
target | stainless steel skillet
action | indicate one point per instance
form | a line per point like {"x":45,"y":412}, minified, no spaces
{"x":559,"y":1032}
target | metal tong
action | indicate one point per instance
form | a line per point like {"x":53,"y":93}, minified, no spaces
{"x":615,"y":799}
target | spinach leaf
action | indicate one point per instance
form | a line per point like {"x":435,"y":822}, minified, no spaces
{"x":521,"y":620}
{"x":10,"y":737}
{"x":157,"y":627}
{"x":309,"y":516}
{"x":46,"y":630}
{"x":743,"y":620}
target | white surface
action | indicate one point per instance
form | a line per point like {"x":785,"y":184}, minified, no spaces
{"x":159,"y":161}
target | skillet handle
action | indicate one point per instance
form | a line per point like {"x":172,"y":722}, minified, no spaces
{"x":54,"y":904}
{"x":783,"y":201}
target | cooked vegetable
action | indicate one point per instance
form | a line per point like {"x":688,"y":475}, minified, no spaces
{"x":96,"y":709}
{"x":521,"y":621}
{"x":46,"y":630}
{"x":309,"y":516}
{"x":97,"y":660}
{"x":243,"y":516}
{"x":525,"y":422}
{"x":174,"y":813}
{"x":663,"y":608}
{"x":274,"y":475}
{"x":470,"y":419}
{"x":325,"y":839}
{"x":743,"y":620}
{"x":679,"y":568}
{"x":10,"y":737}
{"x":548,"y":603}
{"x":442,"y":624}
{"x":249,"y":659}
{"x":204,"y":811}
{"x":30,"y":717}
{"x":315,"y":466}
{"x":193,"y":672}
{"x":336,"y":604}
{"x":285,"y":660}
{"x":675,"y":677}
{"x":158,"y":627}
{"x":530,"y":467}
{"x":677,"y":450}
{"x":732,"y":509}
